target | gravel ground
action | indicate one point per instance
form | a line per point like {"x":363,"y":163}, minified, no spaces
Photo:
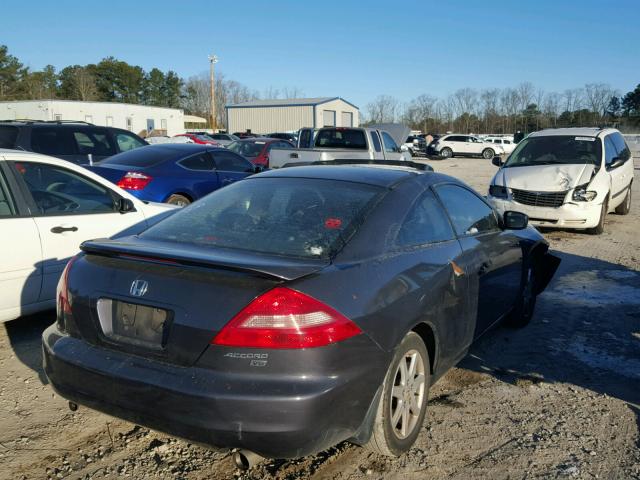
{"x":558,"y":399}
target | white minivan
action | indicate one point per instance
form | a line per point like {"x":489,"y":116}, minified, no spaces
{"x":566,"y":178}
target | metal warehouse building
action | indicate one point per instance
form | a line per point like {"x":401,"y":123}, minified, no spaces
{"x":135,"y":118}
{"x":268,"y":116}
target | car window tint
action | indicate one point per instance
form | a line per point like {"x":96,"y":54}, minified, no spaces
{"x":58,"y":191}
{"x":231,"y":162}
{"x":298,"y":217}
{"x":127,"y":142}
{"x":621,"y":146}
{"x":8,"y":136}
{"x":425,"y":223}
{"x":6,"y":204}
{"x":341,"y":138}
{"x":284,"y":145}
{"x":246,"y":148}
{"x":53,"y":141}
{"x":506,"y":142}
{"x":376,"y":142}
{"x":93,"y":143}
{"x":201,"y":161}
{"x":610,"y":151}
{"x":468,"y":213}
{"x":389,"y":144}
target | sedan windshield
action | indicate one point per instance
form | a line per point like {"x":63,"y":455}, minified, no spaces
{"x":282,"y":216}
{"x":246,"y":149}
{"x":556,"y":149}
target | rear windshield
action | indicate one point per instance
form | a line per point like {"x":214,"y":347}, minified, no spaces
{"x":246,"y":149}
{"x":147,"y":156}
{"x":341,"y":138}
{"x":556,"y":150}
{"x":309,"y":218}
{"x":8,"y":137}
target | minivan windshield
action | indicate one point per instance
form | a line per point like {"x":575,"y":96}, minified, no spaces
{"x":309,"y":218}
{"x":556,"y":150}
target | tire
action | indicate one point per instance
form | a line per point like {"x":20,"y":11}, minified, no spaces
{"x":392,"y":439}
{"x":488,"y":153}
{"x":599,"y":228}
{"x":625,"y":206}
{"x":526,"y":303}
{"x":446,"y":152}
{"x":179,"y":200}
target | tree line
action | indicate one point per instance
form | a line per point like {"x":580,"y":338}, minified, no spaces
{"x":113,"y":80}
{"x":522,"y":108}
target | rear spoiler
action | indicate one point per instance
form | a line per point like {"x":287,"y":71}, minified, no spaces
{"x":423,"y":167}
{"x":266,"y":266}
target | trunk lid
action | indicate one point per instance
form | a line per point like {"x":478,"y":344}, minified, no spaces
{"x":199,"y":289}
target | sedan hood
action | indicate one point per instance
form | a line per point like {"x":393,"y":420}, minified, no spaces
{"x":544,"y":178}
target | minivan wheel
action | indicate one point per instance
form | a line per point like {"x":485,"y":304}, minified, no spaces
{"x":179,"y":200}
{"x":403,"y":403}
{"x":446,"y":152}
{"x":488,"y":153}
{"x":599,"y":228}
{"x":625,"y":206}
{"x":526,"y":303}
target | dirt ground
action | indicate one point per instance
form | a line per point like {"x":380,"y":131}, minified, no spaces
{"x":558,"y":399}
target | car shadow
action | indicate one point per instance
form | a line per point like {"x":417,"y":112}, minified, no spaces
{"x":25,"y":338}
{"x":585,"y":332}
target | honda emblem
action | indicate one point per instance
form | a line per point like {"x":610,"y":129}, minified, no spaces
{"x":139,"y":288}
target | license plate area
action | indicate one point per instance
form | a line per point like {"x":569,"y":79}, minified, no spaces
{"x":132,"y":323}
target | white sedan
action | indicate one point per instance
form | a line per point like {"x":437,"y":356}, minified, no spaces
{"x":47,"y":208}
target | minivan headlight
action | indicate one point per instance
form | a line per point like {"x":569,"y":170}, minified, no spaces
{"x":498,"y":191}
{"x":581,"y":194}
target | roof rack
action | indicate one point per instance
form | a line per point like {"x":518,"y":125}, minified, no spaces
{"x":394,"y":163}
{"x":67,"y":121}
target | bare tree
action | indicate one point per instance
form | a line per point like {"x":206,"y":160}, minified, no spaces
{"x":572,"y":99}
{"x":597,"y":96}
{"x":382,"y":109}
{"x":292,"y":92}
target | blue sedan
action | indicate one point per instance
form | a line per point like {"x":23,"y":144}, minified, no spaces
{"x":174,"y":173}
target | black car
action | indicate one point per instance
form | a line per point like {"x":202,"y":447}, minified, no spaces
{"x":78,"y":142}
{"x":293,"y":310}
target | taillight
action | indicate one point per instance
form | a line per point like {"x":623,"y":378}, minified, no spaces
{"x":285,"y":318}
{"x":134,"y":181}
{"x":64,"y":300}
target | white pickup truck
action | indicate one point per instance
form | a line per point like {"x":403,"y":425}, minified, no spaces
{"x":340,"y":143}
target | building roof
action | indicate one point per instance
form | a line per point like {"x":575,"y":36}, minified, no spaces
{"x":84,"y":102}
{"x":287,"y":102}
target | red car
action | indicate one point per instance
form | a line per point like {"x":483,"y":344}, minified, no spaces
{"x":199,"y":139}
{"x":256,"y":150}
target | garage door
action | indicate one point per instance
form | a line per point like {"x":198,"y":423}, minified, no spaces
{"x":328,"y":118}
{"x":347,"y":119}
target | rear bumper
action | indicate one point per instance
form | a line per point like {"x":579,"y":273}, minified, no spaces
{"x":276,"y":416}
{"x":570,"y":215}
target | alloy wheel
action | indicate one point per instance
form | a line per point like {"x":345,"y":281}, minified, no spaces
{"x":407,"y":394}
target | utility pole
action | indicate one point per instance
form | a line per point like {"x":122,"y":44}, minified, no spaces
{"x":213,"y":59}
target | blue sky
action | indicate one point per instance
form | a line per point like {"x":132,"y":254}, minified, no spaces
{"x":356,"y":50}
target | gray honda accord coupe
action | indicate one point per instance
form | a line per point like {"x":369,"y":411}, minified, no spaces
{"x":295,"y":309}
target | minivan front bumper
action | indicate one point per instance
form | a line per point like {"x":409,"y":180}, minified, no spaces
{"x":575,"y":215}
{"x":276,"y":416}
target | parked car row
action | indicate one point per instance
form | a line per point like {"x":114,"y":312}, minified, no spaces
{"x":449,"y":146}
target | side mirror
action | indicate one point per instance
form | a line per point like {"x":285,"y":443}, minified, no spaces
{"x":497,"y":161}
{"x":258,"y":168}
{"x":125,"y":205}
{"x":616,"y":162}
{"x":515,"y":220}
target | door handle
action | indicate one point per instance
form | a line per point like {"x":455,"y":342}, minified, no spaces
{"x":59,"y":229}
{"x":293,"y":155}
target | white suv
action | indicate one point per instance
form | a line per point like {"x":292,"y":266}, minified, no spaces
{"x":566,"y":178}
{"x":466,"y":146}
{"x":507,"y":144}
